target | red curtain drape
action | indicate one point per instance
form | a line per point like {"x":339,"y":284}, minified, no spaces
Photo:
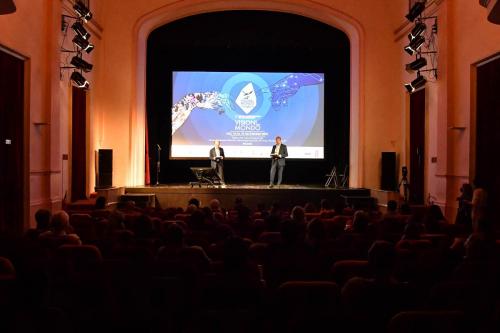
{"x":147,"y":175}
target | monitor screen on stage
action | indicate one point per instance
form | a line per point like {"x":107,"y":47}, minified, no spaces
{"x":246,"y":111}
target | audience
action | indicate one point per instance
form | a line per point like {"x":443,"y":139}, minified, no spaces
{"x":219,"y":259}
{"x":60,"y":229}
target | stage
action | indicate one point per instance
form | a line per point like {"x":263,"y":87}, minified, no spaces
{"x":177,"y":195}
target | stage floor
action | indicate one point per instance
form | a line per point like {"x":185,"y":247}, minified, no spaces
{"x":177,"y":195}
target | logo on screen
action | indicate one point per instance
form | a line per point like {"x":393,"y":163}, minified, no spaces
{"x":247,"y":99}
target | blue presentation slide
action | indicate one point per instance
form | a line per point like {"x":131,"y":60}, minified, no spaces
{"x":245,"y":112}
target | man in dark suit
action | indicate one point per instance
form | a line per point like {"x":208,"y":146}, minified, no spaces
{"x":217,"y":160}
{"x":278,"y":154}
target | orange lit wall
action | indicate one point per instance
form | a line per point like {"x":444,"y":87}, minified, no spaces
{"x":379,"y":104}
{"x":465,"y":37}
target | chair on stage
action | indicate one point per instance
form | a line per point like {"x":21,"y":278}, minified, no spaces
{"x":333,"y":176}
{"x":205,"y":175}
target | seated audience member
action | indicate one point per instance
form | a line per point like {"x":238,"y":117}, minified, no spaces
{"x":359,"y":223}
{"x":215,"y":206}
{"x":316,"y":233}
{"x":195,"y":202}
{"x":179,"y":257}
{"x":59,"y":226}
{"x":339,"y":205}
{"x":100,"y":203}
{"x":392,"y":208}
{"x":433,"y":219}
{"x":464,"y":212}
{"x":412,"y":230}
{"x":42,"y":218}
{"x":100,"y":208}
{"x":479,"y":203}
{"x":371,"y":302}
{"x":143,"y":227}
{"x":405,"y":209}
{"x":480,"y":260}
{"x":298,"y":216}
{"x":191,"y":208}
{"x":325,"y":207}
{"x":309,"y":207}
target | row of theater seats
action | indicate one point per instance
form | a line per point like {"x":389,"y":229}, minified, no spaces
{"x":297,"y":306}
{"x":118,"y":281}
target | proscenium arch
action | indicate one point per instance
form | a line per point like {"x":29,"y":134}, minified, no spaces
{"x":181,"y":9}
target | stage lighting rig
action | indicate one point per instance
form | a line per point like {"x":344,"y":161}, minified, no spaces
{"x":416,"y":10}
{"x":81,"y":64}
{"x":83,"y":44}
{"x":82,"y":11}
{"x":415,"y":84}
{"x":80,"y":41}
{"x":80,"y":30}
{"x":422,"y":45}
{"x":79,"y":80}
{"x":416,"y":65}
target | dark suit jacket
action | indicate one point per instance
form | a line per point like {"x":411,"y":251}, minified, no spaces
{"x":283,"y":152}
{"x":213,"y":163}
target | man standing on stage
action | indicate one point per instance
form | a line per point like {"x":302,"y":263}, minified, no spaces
{"x":216,"y":160}
{"x":278,"y":154}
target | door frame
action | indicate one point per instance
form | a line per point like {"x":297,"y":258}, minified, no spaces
{"x":25,"y":213}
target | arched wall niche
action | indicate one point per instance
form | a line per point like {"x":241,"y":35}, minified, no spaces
{"x":181,"y":9}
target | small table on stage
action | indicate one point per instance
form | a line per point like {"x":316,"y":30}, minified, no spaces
{"x":206,"y":176}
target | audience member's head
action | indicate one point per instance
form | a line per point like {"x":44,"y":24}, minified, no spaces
{"x":235,"y":253}
{"x":143,"y":226}
{"x":309,"y":207}
{"x":191,"y":209}
{"x":478,"y":247}
{"x":298,"y":214}
{"x":316,"y":230}
{"x":325,"y":205}
{"x":60,"y":222}
{"x":42,"y":218}
{"x":174,"y":235}
{"x":195,"y":202}
{"x":100,"y":202}
{"x":405,"y":209}
{"x":412,"y":231}
{"x":290,"y":232}
{"x":196,"y":220}
{"x":392,"y":206}
{"x":339,"y":205}
{"x":215,"y":205}
{"x":360,"y":222}
{"x":382,"y":257}
{"x":466,"y":191}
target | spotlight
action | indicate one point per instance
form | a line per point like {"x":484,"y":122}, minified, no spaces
{"x":416,"y":10}
{"x":79,"y":80}
{"x":415,"y":84}
{"x":82,"y":11}
{"x":83,"y":44}
{"x":417,"y":31}
{"x":416,"y":65}
{"x":414,"y":45}
{"x":81,"y":64}
{"x":80,"y":30}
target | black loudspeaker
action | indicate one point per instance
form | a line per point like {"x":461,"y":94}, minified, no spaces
{"x":104,"y":168}
{"x":388,"y":180}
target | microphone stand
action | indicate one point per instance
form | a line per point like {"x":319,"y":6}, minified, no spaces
{"x":158,"y":165}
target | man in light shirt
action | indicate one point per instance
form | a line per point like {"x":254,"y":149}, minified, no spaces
{"x":278,"y":154}
{"x":217,"y":160}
